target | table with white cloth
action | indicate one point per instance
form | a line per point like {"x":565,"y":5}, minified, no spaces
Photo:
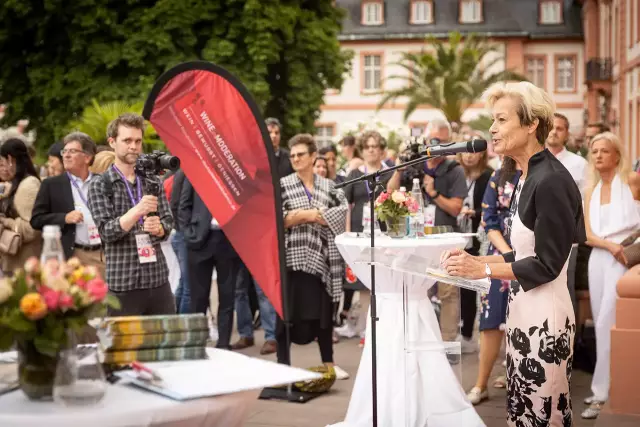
{"x":416,"y":388}
{"x":240,"y":380}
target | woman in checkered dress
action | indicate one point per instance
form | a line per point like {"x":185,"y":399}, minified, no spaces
{"x":314,"y":213}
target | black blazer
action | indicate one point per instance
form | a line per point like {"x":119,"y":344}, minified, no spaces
{"x":53,"y":202}
{"x":478,"y":195}
{"x":194,"y":218}
{"x":551,"y":206}
{"x":284,"y":163}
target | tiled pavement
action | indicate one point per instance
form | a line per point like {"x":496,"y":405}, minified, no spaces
{"x":332,"y":407}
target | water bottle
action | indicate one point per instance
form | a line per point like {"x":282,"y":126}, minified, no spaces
{"x":407,"y":225}
{"x":366,"y":220}
{"x":416,"y":221}
{"x":52,"y":247}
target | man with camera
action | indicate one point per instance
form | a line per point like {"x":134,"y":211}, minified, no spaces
{"x":132,"y":225}
{"x":444,"y":188}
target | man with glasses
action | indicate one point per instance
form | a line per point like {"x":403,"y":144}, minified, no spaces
{"x":63,"y":201}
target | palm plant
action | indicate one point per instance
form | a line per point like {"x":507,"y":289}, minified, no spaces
{"x":94,"y":120}
{"x":450,"y":79}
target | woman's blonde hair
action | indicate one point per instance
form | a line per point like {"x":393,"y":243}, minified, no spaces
{"x":102,"y":161}
{"x":533,"y":104}
{"x":623,"y":170}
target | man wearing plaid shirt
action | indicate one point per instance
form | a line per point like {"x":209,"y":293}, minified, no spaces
{"x":135,"y":274}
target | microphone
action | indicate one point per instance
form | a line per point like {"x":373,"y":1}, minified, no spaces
{"x":474,"y":146}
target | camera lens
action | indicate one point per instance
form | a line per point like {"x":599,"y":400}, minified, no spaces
{"x":169,"y":162}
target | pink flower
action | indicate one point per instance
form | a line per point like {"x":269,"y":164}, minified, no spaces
{"x":97,"y":289}
{"x":51,"y":298}
{"x":66,"y":301}
{"x":383,"y":197}
{"x":82,"y":284}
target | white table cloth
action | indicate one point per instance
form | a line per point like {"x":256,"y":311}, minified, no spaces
{"x":435,"y":397}
{"x":126,"y":406}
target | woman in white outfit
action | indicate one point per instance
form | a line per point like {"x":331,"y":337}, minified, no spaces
{"x":612,"y":214}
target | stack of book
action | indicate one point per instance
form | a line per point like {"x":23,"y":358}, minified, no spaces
{"x":123,"y":340}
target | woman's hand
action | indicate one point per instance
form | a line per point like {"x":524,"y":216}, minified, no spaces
{"x":464,"y":265}
{"x":617,"y":251}
{"x":7,"y":222}
{"x":448,"y":254}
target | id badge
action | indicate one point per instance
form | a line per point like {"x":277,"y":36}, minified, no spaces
{"x":146,"y":252}
{"x":94,"y":235}
{"x":430,"y":215}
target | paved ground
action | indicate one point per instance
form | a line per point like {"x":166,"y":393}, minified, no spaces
{"x":332,"y":407}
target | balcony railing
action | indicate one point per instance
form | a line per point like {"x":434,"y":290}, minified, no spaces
{"x":599,"y":69}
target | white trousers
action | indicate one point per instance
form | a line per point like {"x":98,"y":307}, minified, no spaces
{"x":604,"y":273}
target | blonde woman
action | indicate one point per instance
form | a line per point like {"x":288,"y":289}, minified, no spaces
{"x":546,"y":219}
{"x":103,"y":161}
{"x":611,"y":209}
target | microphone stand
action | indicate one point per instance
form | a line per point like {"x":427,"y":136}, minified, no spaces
{"x":373,"y":180}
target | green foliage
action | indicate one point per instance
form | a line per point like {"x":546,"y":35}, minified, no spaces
{"x":58,"y":55}
{"x":451,"y":78}
{"x":96,"y":117}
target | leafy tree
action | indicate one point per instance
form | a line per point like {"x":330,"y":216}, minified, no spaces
{"x":57,"y":55}
{"x":451,"y":78}
{"x":96,"y":117}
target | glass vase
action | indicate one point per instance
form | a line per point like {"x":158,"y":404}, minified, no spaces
{"x":36,"y":371}
{"x":397,"y":227}
{"x":80,"y":379}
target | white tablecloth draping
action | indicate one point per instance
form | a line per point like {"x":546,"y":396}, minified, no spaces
{"x":434,"y":395}
{"x":126,"y":406}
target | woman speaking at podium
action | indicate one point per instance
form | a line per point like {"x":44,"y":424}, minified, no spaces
{"x":546,"y":218}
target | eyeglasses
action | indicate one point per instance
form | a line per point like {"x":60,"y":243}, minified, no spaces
{"x":71,"y":151}
{"x":298,"y":155}
{"x":372,"y":146}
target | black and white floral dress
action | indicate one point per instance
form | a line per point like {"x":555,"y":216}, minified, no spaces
{"x":546,"y":220}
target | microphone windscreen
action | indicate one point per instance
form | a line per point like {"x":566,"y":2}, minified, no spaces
{"x":477,"y":146}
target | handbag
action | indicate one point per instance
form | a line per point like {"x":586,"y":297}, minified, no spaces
{"x":10,"y":241}
{"x":631,"y":249}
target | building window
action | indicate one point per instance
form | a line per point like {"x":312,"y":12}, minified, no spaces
{"x":470,"y":11}
{"x":417,"y":128}
{"x":324,"y":135}
{"x":372,"y":72}
{"x":372,"y":13}
{"x":551,"y":12}
{"x":565,"y":74}
{"x":422,"y":12}
{"x":536,"y":70}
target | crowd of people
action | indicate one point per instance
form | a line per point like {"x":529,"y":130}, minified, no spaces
{"x":108,"y":219}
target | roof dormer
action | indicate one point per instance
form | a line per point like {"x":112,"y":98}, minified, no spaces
{"x":550,"y":12}
{"x":421,"y":12}
{"x":470,"y":11}
{"x":372,"y":12}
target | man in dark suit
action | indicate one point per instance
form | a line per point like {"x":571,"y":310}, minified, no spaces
{"x":282,"y":155}
{"x":62,"y":200}
{"x":208,"y":247}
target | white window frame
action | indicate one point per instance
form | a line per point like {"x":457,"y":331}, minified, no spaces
{"x":535,"y":69}
{"x":422,"y":12}
{"x":372,"y":13}
{"x":372,"y":70}
{"x":470,"y":11}
{"x":566,"y":73}
{"x":324,"y":135}
{"x":550,"y":12}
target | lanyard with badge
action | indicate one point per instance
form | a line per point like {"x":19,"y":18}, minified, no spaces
{"x":92,"y":230}
{"x":146,"y":251}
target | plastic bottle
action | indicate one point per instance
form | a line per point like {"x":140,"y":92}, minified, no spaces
{"x":51,"y":247}
{"x":416,"y":221}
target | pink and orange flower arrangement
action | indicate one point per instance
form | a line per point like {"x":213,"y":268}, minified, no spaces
{"x":394,"y":206}
{"x":41,"y":303}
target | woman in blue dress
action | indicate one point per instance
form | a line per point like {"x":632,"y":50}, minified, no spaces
{"x":495,"y":211}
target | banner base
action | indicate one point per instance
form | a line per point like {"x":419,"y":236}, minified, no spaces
{"x":295,"y":396}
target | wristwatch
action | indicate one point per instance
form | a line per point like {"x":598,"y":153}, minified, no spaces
{"x":487,"y":270}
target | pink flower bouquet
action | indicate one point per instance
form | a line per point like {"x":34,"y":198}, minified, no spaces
{"x":40,"y":303}
{"x":394,"y":206}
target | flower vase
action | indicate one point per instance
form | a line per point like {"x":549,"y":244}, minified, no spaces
{"x":36,"y":371}
{"x":397,"y":227}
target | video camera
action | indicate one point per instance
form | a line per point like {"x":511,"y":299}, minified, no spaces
{"x":416,"y":147}
{"x":150,"y":166}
